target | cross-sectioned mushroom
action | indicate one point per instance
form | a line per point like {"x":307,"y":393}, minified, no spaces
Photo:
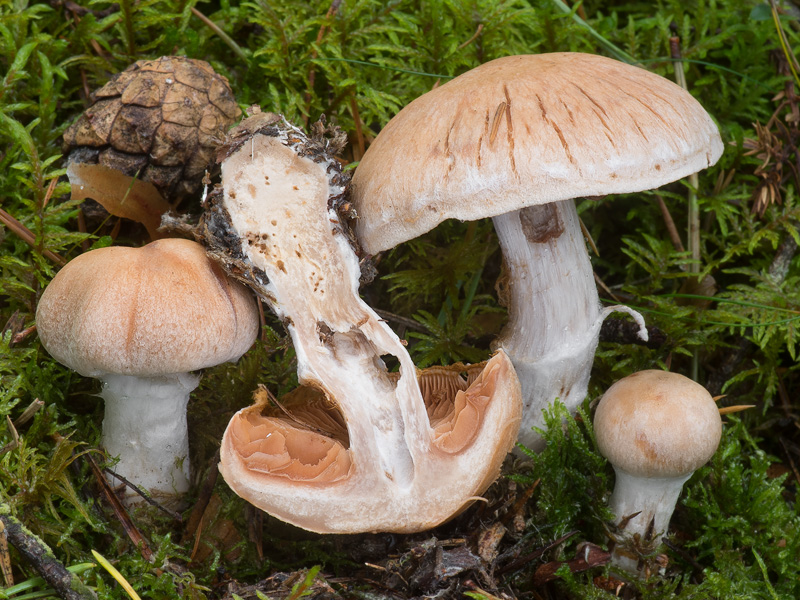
{"x":361,"y":451}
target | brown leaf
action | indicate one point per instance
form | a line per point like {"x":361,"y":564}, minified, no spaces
{"x":119,"y":194}
{"x":588,"y":555}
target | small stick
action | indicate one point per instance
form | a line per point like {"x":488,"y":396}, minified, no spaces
{"x":791,"y":461}
{"x":66,"y":584}
{"x":682,"y":553}
{"x":221,"y":34}
{"x":122,"y":515}
{"x":28,"y":413}
{"x":693,"y":237}
{"x":606,"y":289}
{"x":359,"y":132}
{"x":523,"y":560}
{"x":14,"y":443}
{"x":144,"y":495}
{"x":20,"y":336}
{"x":203,"y":498}
{"x":312,"y":72}
{"x":82,"y":228}
{"x":473,"y":38}
{"x":26,"y":235}
{"x":671,"y":229}
{"x":404,"y":321}
{"x":5,"y":558}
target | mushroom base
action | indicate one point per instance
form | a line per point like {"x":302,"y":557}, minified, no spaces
{"x":654,"y":499}
{"x":145,"y":426}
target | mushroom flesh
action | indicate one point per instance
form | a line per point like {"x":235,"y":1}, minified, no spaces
{"x":361,"y":453}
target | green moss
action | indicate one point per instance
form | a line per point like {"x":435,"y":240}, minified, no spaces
{"x":358,"y":64}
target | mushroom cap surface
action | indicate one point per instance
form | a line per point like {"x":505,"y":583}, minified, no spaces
{"x":160,"y":309}
{"x":526,"y":130}
{"x":657,"y":424}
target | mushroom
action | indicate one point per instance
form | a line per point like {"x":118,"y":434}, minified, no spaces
{"x":517,"y":139}
{"x":140,"y":320}
{"x":357,"y":448}
{"x":655,"y":428}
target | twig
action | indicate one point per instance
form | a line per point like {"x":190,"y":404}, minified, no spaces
{"x":122,"y":515}
{"x":177,"y":517}
{"x":203,"y":498}
{"x":221,"y":34}
{"x":312,"y":71}
{"x":26,"y":235}
{"x":693,"y":236}
{"x":610,"y":46}
{"x":5,"y":558}
{"x":523,"y":560}
{"x":28,"y":413}
{"x":473,"y":38}
{"x":791,"y":461}
{"x":67,"y":585}
{"x":779,"y":267}
{"x":359,"y":132}
{"x":14,"y":443}
{"x":671,"y":229}
{"x":606,"y":289}
{"x":683,"y":554}
{"x":404,"y":321}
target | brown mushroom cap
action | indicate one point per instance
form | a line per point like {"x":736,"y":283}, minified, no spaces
{"x":161,"y":309}
{"x":526,"y":130}
{"x":657,"y":424}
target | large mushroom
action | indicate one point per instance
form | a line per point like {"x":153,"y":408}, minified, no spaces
{"x":359,"y":450}
{"x":141,"y":320}
{"x":517,"y":139}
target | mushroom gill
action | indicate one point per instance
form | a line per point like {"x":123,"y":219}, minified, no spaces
{"x":306,"y":439}
{"x":456,"y":405}
{"x":308,"y":443}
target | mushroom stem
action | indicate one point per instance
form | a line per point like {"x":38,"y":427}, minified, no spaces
{"x":145,"y":426}
{"x":654,"y":498}
{"x":553,"y":308}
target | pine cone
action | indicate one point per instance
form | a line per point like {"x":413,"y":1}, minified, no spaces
{"x":162,"y":119}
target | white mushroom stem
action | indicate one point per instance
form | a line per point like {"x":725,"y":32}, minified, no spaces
{"x":145,"y":426}
{"x":553,"y":308}
{"x":654,"y":498}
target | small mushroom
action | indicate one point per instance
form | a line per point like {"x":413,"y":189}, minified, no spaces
{"x":517,"y":139}
{"x":361,"y":449}
{"x":655,"y":428}
{"x":140,"y":319}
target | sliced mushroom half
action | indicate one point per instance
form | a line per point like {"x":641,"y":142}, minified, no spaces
{"x":390,"y":451}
